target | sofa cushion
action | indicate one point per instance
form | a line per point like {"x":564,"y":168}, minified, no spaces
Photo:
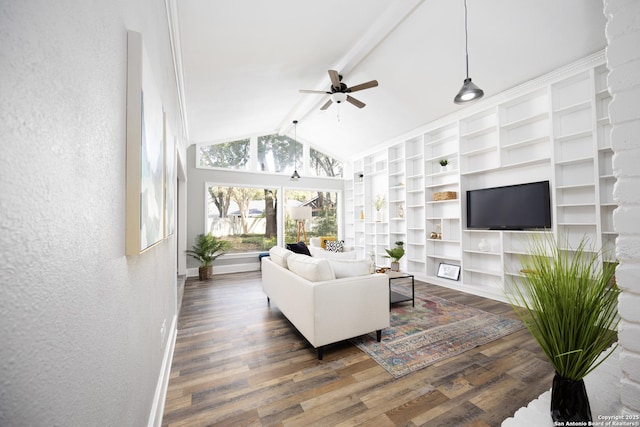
{"x":299,"y":248}
{"x":312,"y":269}
{"x":321,"y":253}
{"x":279,"y":255}
{"x":314,"y":241}
{"x":334,"y":246}
{"x":350,"y":267}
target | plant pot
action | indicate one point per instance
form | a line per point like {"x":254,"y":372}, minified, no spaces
{"x":395,"y":266}
{"x":205,"y":273}
{"x":569,"y":401}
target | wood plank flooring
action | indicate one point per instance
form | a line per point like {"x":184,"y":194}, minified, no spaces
{"x":239,"y":362}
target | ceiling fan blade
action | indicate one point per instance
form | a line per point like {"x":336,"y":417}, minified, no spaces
{"x":355,"y":102}
{"x":367,"y":85}
{"x":322,"y":92}
{"x":335,"y":79}
{"x":326,"y":104}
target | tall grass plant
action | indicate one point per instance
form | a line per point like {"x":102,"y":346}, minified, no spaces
{"x":568,"y":301}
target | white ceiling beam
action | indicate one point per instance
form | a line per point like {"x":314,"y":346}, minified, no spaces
{"x":379,"y":30}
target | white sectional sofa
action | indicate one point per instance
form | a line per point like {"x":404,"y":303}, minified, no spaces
{"x":327,"y":300}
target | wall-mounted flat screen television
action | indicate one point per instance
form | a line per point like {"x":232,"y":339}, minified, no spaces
{"x":511,"y":207}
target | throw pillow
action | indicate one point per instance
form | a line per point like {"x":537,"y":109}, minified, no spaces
{"x":334,"y":246}
{"x":299,"y":248}
{"x":323,"y":240}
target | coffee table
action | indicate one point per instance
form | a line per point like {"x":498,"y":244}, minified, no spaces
{"x":396,"y":297}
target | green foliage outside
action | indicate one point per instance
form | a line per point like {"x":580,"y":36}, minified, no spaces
{"x":326,"y":223}
{"x":259,"y":241}
{"x":569,"y":302}
{"x":231,"y":155}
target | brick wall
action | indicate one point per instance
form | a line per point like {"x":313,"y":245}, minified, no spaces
{"x":623,"y":60}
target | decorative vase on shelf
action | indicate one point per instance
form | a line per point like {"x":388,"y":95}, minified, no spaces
{"x":483,"y":245}
{"x":400,"y":210}
{"x":379,"y":216}
{"x":361,"y":215}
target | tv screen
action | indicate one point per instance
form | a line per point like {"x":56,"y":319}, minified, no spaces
{"x":512,"y":207}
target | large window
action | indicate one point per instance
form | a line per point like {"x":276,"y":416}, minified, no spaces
{"x":323,"y":210}
{"x":279,"y":154}
{"x":230,"y":155}
{"x":245,"y":216}
{"x":275,"y":154}
{"x":323,"y":165}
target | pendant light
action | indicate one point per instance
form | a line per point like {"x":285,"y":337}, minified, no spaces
{"x":295,"y":176}
{"x":469,"y":91}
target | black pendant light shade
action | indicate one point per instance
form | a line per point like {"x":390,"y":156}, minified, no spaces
{"x":469,"y":91}
{"x":295,"y":176}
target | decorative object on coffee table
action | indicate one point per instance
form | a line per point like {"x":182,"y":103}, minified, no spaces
{"x":206,"y":250}
{"x":395,"y":254}
{"x":568,"y":302}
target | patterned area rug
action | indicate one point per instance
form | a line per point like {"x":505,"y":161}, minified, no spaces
{"x":433,"y":330}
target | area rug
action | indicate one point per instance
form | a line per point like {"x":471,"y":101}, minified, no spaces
{"x":433,"y":330}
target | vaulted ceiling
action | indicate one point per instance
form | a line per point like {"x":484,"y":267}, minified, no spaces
{"x":242,"y":62}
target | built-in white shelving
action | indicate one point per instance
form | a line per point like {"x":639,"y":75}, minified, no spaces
{"x":558,"y":131}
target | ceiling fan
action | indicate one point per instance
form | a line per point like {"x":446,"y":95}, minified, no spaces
{"x":339,"y":91}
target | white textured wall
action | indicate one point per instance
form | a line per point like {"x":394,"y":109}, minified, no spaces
{"x":623,"y":60}
{"x":79,"y":322}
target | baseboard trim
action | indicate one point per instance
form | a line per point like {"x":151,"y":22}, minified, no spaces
{"x":157,"y":408}
{"x":225,"y":269}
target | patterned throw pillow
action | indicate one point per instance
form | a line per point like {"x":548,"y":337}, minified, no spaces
{"x":334,"y":246}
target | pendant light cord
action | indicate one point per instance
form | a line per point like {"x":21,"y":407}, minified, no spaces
{"x":466,"y":38}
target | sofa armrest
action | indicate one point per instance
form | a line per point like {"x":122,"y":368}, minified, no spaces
{"x":350,"y":307}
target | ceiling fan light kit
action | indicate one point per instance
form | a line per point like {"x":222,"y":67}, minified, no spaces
{"x":469,"y":91}
{"x":338,"y":97}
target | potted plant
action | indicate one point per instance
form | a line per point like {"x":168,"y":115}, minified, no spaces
{"x":206,"y":250}
{"x":567,"y":300}
{"x":443,"y":164}
{"x":395,"y":254}
{"x":379,"y":204}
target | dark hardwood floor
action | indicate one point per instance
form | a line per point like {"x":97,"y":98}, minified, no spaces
{"x":239,"y":362}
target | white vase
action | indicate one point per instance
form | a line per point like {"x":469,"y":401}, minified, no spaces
{"x":379,"y":216}
{"x":483,"y":245}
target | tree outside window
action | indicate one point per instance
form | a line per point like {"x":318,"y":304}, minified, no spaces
{"x":230,"y":155}
{"x":246,"y":216}
{"x":323,"y":165}
{"x":279,"y":154}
